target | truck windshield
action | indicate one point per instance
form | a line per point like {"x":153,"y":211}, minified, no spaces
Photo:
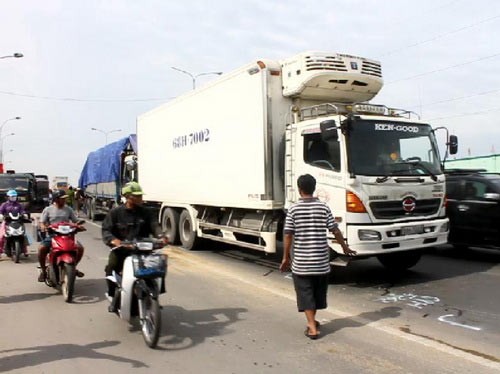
{"x":387,"y":148}
{"x":15,"y":183}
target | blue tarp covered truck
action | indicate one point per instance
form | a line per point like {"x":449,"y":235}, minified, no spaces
{"x":104,"y":173}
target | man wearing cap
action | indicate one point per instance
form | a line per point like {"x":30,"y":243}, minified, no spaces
{"x":57,"y":212}
{"x":127,"y":222}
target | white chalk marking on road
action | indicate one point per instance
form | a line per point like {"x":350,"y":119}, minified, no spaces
{"x":444,"y":319}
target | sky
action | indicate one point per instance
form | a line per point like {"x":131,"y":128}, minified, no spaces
{"x":99,"y":64}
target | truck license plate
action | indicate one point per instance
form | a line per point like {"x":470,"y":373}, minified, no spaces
{"x":412,"y":230}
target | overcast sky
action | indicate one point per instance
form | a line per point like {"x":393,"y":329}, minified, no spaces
{"x":100,"y":64}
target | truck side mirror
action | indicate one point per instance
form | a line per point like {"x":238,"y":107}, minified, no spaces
{"x":329,"y":130}
{"x":453,"y":144}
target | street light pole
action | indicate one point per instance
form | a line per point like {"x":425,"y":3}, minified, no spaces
{"x":106,"y":133}
{"x":15,"y":55}
{"x":193,"y":76}
{"x":1,"y":139}
{"x":1,"y":147}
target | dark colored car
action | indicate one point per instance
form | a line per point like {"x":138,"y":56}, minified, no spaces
{"x":473,"y":208}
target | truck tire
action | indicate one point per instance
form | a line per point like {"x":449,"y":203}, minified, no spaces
{"x":92,"y":211}
{"x":187,"y":234}
{"x":170,"y":225}
{"x":89,"y":209}
{"x":400,"y":260}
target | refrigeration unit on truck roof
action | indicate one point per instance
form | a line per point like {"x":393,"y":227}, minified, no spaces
{"x":331,"y":76}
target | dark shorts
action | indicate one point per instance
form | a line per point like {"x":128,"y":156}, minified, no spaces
{"x":311,"y":291}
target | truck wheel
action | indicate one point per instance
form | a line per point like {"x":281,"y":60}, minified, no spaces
{"x":400,"y":260}
{"x":89,"y":210}
{"x":188,"y":236}
{"x":170,"y":225}
{"x":92,"y":211}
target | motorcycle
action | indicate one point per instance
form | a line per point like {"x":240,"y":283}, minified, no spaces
{"x":139,"y":285}
{"x":61,"y":260}
{"x":15,"y":235}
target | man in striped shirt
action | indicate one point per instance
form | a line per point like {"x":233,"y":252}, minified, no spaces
{"x":306,"y":224}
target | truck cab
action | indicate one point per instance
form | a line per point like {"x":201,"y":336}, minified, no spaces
{"x":380,"y":174}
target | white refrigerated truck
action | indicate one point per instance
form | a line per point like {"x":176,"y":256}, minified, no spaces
{"x":222,"y":161}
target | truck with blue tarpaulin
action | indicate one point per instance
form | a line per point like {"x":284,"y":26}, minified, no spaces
{"x":104,"y":173}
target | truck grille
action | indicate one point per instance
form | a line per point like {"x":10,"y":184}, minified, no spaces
{"x":394,"y":209}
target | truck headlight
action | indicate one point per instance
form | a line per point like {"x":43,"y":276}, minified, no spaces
{"x":369,"y":235}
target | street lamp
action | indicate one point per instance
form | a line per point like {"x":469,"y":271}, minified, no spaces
{"x":194,"y":76}
{"x":1,"y":146}
{"x":1,"y":138}
{"x":7,"y":120}
{"x":15,"y":55}
{"x":106,"y":133}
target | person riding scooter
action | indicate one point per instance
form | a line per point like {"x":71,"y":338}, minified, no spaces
{"x":10,"y":206}
{"x":57,"y":212}
{"x":127,"y":222}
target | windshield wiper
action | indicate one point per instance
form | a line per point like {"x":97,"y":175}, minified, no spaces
{"x":383,"y":179}
{"x":417,"y":161}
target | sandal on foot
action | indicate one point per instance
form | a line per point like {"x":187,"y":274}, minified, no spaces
{"x":42,"y":276}
{"x":310,"y":336}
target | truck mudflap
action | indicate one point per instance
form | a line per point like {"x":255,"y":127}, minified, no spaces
{"x":374,"y":240}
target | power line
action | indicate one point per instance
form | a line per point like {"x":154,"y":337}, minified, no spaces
{"x":445,"y":68}
{"x":455,"y":98}
{"x":52,"y":98}
{"x":465,"y":114}
{"x":441,"y":35}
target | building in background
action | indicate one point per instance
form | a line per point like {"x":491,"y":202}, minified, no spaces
{"x":490,"y":163}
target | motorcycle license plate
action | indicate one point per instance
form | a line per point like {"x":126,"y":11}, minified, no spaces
{"x":412,"y":230}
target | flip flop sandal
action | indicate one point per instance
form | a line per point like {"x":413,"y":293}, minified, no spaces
{"x":310,"y":336}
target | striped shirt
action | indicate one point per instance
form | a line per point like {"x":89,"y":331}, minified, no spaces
{"x":308,"y":221}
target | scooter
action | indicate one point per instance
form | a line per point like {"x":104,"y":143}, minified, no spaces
{"x":139,"y":285}
{"x":61,"y":260}
{"x":15,"y":235}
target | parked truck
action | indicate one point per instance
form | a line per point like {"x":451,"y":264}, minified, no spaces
{"x":223,"y":160}
{"x":29,"y":191}
{"x":60,"y":183}
{"x":43,"y":190}
{"x":104,"y":173}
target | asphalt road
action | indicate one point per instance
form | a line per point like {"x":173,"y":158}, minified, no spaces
{"x":232,"y":311}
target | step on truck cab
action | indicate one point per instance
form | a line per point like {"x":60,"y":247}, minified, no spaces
{"x":232,"y":152}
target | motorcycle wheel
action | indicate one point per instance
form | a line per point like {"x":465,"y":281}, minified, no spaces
{"x":17,"y":251}
{"x":68,"y":275}
{"x":151,"y":323}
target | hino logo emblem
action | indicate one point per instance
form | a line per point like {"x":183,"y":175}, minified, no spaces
{"x":409,"y":204}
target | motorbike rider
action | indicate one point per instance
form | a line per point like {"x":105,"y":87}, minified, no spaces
{"x":128,"y":221}
{"x":10,"y":206}
{"x":57,"y":212}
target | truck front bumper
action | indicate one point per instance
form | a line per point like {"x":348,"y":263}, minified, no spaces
{"x":370,"y":240}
